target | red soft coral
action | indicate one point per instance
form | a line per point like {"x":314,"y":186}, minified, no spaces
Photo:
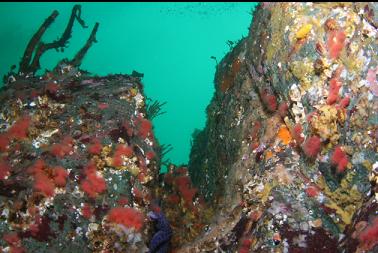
{"x":15,"y":242}
{"x":138,"y":194}
{"x":4,"y":142}
{"x":38,"y":167}
{"x":182,"y":170}
{"x":43,"y":184}
{"x":60,"y":176}
{"x":282,"y":109}
{"x":312,"y":191}
{"x":311,"y":147}
{"x":52,"y":88}
{"x":65,"y":147}
{"x":334,"y":88}
{"x":129,"y":217}
{"x":173,"y":199}
{"x":344,"y":102}
{"x":297,"y":134}
{"x":188,"y":195}
{"x":245,"y":245}
{"x":93,"y":184}
{"x":335,"y":43}
{"x":123,"y":201}
{"x":103,"y":106}
{"x":95,"y":148}
{"x":86,"y":211}
{"x":17,"y":249}
{"x":269,"y":100}
{"x":11,"y":238}
{"x":340,"y":159}
{"x":121,"y":150}
{"x":144,"y":127}
{"x":168,"y":178}
{"x":183,"y":181}
{"x":20,"y":128}
{"x":128,"y":127}
{"x":150,"y":155}
{"x":184,"y":187}
{"x":369,"y":236}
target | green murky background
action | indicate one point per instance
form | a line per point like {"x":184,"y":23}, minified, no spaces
{"x":171,"y":43}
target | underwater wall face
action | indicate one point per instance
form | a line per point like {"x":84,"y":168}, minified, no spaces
{"x":290,"y":159}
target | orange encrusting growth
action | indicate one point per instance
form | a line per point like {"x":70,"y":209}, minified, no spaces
{"x":284,"y":135}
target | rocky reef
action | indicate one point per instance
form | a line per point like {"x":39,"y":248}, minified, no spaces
{"x":287,"y":161}
{"x":288,"y":157}
{"x":79,"y":160}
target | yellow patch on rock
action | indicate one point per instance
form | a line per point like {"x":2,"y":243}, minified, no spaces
{"x":303,"y":31}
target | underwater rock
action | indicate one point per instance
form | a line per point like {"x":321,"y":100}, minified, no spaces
{"x":287,"y":161}
{"x":291,"y":134}
{"x":79,"y":161}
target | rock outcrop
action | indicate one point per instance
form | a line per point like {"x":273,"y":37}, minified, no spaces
{"x":288,"y":157}
{"x":79,"y":162}
{"x":287,"y":161}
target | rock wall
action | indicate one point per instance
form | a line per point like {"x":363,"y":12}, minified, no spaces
{"x":288,"y":157}
{"x":79,"y":163}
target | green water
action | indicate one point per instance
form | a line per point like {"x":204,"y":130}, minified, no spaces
{"x":171,"y":43}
